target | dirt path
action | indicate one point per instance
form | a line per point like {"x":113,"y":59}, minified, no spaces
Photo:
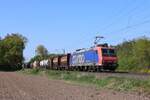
{"x":14,"y":86}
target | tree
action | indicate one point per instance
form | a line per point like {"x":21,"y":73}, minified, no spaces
{"x":36,"y":58}
{"x":41,"y":51}
{"x":2,"y":52}
{"x":11,"y":50}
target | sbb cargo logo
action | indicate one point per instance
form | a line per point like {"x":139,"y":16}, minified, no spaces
{"x":78,"y":59}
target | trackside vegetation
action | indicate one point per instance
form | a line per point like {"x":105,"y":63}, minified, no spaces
{"x":134,"y":55}
{"x":115,"y":83}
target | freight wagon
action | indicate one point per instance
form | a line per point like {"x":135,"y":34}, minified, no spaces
{"x":55,"y":62}
{"x":65,"y":61}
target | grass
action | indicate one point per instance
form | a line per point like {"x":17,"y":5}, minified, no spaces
{"x":115,"y":83}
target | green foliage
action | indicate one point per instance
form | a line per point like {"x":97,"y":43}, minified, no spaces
{"x":41,"y":51}
{"x":134,"y":55}
{"x":11,"y":50}
{"x":39,"y":58}
{"x":36,"y":58}
{"x":35,"y":71}
{"x":141,"y":52}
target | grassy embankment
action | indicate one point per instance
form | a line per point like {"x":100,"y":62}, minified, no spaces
{"x":115,"y":83}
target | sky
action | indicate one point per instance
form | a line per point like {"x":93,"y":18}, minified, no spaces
{"x":73,"y":24}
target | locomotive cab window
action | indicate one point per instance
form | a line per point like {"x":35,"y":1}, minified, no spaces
{"x":108,"y":52}
{"x":105,"y":52}
{"x":112,"y":52}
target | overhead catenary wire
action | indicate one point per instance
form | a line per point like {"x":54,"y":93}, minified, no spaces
{"x":131,"y":26}
{"x":120,"y":16}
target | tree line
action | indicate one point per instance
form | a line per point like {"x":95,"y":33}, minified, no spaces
{"x":134,"y":55}
{"x":11,"y":51}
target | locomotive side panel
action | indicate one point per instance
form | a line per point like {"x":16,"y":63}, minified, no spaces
{"x":87,"y":58}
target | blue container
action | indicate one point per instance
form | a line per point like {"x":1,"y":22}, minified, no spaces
{"x":86,"y":58}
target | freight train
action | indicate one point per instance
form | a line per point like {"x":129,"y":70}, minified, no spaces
{"x":98,"y":58}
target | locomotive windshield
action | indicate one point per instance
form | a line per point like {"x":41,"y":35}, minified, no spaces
{"x":108,"y":52}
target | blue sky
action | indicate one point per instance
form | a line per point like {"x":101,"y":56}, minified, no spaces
{"x":73,"y":24}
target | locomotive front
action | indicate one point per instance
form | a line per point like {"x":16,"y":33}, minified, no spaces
{"x":107,"y":57}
